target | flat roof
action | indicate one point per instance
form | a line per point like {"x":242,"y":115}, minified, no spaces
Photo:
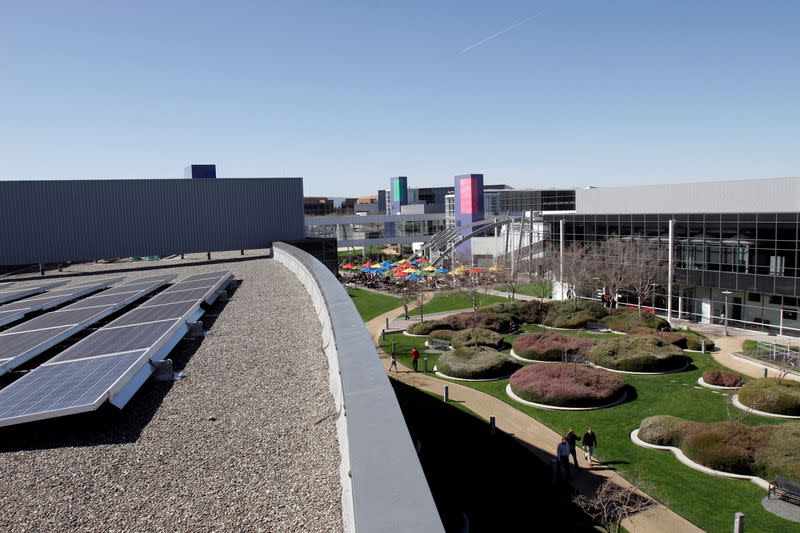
{"x":246,"y":441}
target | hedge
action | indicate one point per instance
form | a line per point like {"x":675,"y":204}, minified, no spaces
{"x":482,"y":337}
{"x":627,"y":320}
{"x":722,"y":378}
{"x":424,"y":328}
{"x":765,"y":451}
{"x":499,"y":322}
{"x":566,"y":385}
{"x":550,"y":346}
{"x":637,"y":353}
{"x":574,"y":313}
{"x":766,"y":394}
{"x":441,"y":334}
{"x":475,"y":363}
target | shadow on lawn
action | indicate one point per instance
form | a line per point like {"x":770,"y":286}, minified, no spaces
{"x":490,"y":482}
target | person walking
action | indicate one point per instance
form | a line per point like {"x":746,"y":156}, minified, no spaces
{"x":589,"y":442}
{"x":562,"y":454}
{"x":415,"y":358}
{"x":571,"y":439}
{"x":405,"y":310}
{"x":393,"y":363}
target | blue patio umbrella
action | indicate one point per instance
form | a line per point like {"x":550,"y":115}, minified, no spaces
{"x":365,"y":269}
{"x":441,"y":270}
{"x":413,"y":276}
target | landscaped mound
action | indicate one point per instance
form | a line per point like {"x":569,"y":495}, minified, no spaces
{"x":533,"y":311}
{"x":566,"y":385}
{"x":685,"y":338}
{"x":499,"y":322}
{"x":441,"y":334}
{"x":767,"y":394}
{"x":573,"y":313}
{"x":550,"y":346}
{"x":479,"y":336}
{"x":628,"y":320}
{"x":637,"y":353}
{"x":475,"y":363}
{"x":765,"y":451}
{"x":423,"y":328}
{"x":722,"y":378}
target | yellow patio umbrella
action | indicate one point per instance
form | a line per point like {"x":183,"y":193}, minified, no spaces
{"x":429,"y":269}
{"x":459,"y":271}
{"x":495,"y":268}
{"x":411,"y":271}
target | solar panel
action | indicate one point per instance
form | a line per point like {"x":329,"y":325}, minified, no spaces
{"x":134,"y":344}
{"x":9,"y":294}
{"x":48,"y":330}
{"x":66,"y":388}
{"x":117,"y":339}
{"x":11,"y":312}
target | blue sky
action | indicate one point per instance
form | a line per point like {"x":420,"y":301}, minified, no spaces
{"x":347,"y":94}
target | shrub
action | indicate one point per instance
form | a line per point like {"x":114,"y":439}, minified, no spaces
{"x":637,"y":353}
{"x":482,"y":337}
{"x":423,"y":328}
{"x":573,"y":314}
{"x":766,"y":394}
{"x":739,"y":449}
{"x":749,"y":347}
{"x":499,"y":322}
{"x":533,"y":312}
{"x":566,"y":385}
{"x":693,"y":340}
{"x":550,"y":346}
{"x":508,"y":309}
{"x":778,"y":456}
{"x":475,"y":363}
{"x":627,"y":320}
{"x":662,"y":430}
{"x":715,"y":446}
{"x":442,"y":334}
{"x":722,"y":378}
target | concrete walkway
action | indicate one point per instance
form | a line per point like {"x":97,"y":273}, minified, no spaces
{"x":540,"y":439}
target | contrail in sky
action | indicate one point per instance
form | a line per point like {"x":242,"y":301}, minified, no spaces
{"x":501,"y":32}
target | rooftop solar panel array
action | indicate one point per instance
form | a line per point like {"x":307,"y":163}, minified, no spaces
{"x":13,"y":311}
{"x":27,"y":340}
{"x":113,"y":362}
{"x":9,"y":294}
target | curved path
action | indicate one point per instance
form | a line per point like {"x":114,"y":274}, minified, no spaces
{"x":540,"y":439}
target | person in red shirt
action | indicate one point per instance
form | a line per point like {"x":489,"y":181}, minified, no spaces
{"x":414,"y":357}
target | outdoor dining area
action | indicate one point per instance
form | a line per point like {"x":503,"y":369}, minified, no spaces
{"x":396,"y":275}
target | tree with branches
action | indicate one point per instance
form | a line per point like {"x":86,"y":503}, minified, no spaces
{"x":644,"y":267}
{"x":509,"y":282}
{"x":611,"y":504}
{"x":611,"y":266}
{"x":418,"y":297}
{"x":475,"y":291}
{"x":578,"y":268}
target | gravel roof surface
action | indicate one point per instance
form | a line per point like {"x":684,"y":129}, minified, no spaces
{"x":245,"y":442}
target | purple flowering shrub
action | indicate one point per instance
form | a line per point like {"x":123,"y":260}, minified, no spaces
{"x":550,"y":346}
{"x":566,"y":385}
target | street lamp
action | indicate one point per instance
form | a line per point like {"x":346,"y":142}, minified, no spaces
{"x":725,"y":311}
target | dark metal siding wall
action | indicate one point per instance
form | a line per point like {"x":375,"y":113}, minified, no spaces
{"x":52,"y":221}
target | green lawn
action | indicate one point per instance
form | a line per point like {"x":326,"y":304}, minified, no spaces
{"x":450,"y":301}
{"x":707,"y":501}
{"x":538,"y":289}
{"x":371,"y":304}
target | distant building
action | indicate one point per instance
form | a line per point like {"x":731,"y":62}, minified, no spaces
{"x":317,"y":205}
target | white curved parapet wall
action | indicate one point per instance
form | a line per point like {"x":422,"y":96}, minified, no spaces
{"x":383,"y":486}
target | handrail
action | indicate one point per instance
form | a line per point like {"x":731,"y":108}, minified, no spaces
{"x":383,"y":486}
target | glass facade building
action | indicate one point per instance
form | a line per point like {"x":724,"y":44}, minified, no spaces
{"x":752,"y":256}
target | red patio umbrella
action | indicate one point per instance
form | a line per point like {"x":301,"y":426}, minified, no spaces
{"x":400,"y":274}
{"x":476,"y":270}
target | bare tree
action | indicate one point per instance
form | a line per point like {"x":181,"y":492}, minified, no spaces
{"x":475,"y":292}
{"x":509,"y":282}
{"x":611,"y":504}
{"x":644,"y":267}
{"x":611,"y":265}
{"x":418,"y":299}
{"x":578,"y":267}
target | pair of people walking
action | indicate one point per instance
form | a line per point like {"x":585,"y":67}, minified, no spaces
{"x":414,"y":360}
{"x":568,"y":446}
